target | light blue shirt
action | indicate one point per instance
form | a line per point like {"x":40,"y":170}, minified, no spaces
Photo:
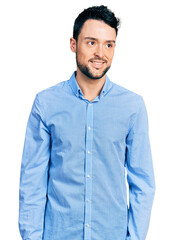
{"x":75,"y":158}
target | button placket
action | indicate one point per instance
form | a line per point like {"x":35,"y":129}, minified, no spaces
{"x":88,"y":172}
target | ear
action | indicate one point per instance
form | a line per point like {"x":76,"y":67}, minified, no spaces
{"x":73,"y":44}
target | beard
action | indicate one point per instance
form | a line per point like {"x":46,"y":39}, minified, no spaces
{"x":86,"y":71}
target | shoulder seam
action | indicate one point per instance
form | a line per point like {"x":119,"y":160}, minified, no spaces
{"x":138,"y":110}
{"x":42,"y":112}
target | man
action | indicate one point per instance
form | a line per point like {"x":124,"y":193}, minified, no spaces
{"x":81,"y":137}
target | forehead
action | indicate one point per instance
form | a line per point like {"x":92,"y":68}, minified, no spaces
{"x":97,"y":29}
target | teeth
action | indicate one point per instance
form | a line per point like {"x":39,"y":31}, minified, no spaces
{"x":98,"y":62}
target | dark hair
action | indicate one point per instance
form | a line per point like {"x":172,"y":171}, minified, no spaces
{"x":96,"y":12}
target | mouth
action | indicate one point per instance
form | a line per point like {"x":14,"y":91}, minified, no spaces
{"x":97,"y":64}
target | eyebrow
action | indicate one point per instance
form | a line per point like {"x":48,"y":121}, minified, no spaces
{"x":92,"y":38}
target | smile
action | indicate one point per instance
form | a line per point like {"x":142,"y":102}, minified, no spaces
{"x":97,"y":64}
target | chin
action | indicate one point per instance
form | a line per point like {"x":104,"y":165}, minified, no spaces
{"x":99,"y":73}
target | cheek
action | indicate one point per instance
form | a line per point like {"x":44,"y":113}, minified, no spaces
{"x":84,"y":55}
{"x":110,"y":56}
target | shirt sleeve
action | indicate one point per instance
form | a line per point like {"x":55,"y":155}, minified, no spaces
{"x":140,"y":175}
{"x":34,"y":175}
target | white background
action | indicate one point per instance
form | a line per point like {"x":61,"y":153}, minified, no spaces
{"x":35,"y":54}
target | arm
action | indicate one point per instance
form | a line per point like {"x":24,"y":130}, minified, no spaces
{"x":33,"y":176}
{"x":140,"y":175}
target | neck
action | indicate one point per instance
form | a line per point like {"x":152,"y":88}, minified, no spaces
{"x":91,"y":88}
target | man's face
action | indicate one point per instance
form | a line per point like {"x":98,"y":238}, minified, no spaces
{"x":94,"y":48}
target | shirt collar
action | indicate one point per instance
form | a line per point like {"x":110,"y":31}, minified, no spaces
{"x":77,"y":91}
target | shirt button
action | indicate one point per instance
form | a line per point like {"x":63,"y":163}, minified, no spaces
{"x":90,"y":104}
{"x":88,"y":151}
{"x":89,"y":128}
{"x":88,"y":200}
{"x":88,"y":176}
{"x":87,"y":225}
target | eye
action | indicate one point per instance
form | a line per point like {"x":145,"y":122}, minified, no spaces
{"x":109,"y":45}
{"x":91,"y":43}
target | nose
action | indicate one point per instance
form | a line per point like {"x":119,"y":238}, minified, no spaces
{"x":99,"y":51}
